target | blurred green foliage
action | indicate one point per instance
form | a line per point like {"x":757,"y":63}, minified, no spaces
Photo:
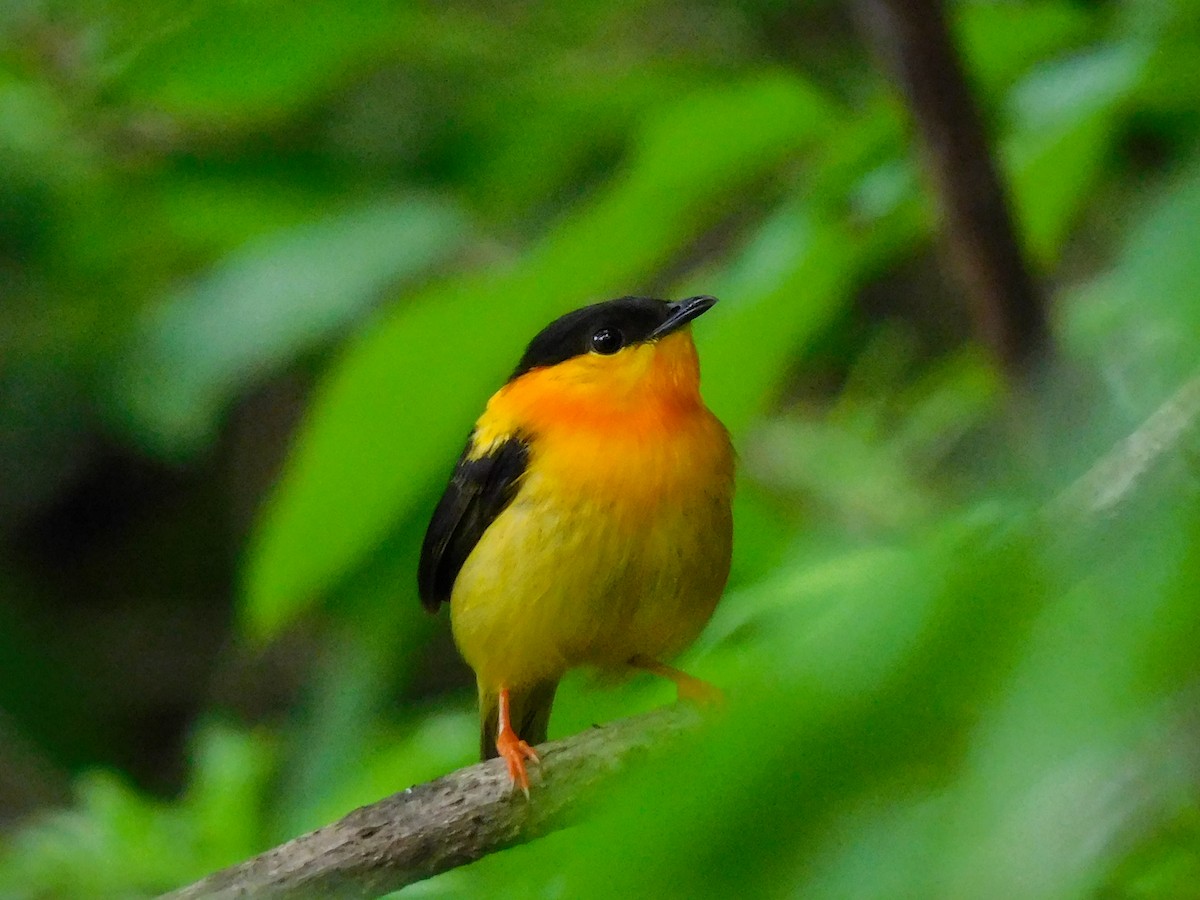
{"x":214,"y":213}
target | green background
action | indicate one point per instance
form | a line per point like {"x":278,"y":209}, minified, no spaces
{"x":262,"y":263}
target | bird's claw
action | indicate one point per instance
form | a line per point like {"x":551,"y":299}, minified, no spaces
{"x":514,"y":752}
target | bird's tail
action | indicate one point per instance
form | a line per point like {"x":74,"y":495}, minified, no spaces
{"x":528,"y":710}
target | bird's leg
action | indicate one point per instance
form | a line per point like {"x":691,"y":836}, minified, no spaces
{"x":687,"y":687}
{"x":514,"y":750}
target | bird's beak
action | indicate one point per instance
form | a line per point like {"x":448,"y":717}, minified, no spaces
{"x":682,"y":312}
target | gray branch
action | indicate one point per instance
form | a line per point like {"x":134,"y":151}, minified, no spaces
{"x":437,"y":826}
{"x":1152,"y":453}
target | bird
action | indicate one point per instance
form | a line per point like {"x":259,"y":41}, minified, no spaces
{"x":588,"y":521}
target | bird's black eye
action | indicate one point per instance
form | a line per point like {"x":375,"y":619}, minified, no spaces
{"x":607,"y":340}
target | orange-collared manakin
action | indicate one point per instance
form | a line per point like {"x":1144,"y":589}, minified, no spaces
{"x":588,"y":521}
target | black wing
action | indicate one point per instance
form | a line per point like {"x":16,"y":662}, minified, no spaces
{"x":478,"y":491}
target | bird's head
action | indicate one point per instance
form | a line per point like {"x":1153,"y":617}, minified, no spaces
{"x":621,"y":357}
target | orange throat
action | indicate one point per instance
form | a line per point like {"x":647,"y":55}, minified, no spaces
{"x":644,"y":389}
{"x":631,"y":426}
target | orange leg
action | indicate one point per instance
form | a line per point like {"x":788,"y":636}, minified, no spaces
{"x":513,"y":750}
{"x":687,"y":687}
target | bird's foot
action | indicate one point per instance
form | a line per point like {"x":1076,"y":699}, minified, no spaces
{"x":514,"y":752}
{"x":688,"y":688}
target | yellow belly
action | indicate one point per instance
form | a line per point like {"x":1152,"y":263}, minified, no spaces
{"x":597,"y":559}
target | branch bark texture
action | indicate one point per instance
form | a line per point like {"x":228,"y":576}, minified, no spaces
{"x":437,"y":826}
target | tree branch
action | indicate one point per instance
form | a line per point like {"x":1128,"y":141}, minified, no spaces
{"x":1126,"y":471}
{"x":437,"y":826}
{"x":912,"y":40}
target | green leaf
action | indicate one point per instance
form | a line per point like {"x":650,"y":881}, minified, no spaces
{"x":240,"y":60}
{"x":1139,"y":322}
{"x":266,"y":303}
{"x":117,"y":842}
{"x":1000,"y":40}
{"x":786,"y":286}
{"x":1067,"y":116}
{"x":389,"y":419}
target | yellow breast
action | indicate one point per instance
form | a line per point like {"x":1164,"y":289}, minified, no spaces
{"x":618,"y":541}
